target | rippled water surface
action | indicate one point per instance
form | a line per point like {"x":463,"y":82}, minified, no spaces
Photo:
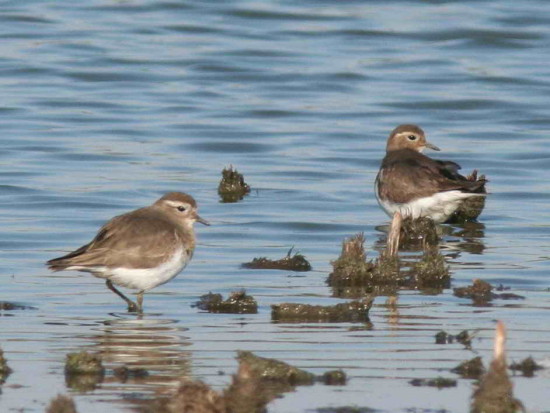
{"x":105,"y":105}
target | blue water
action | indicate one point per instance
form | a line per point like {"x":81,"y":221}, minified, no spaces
{"x":106,"y":105}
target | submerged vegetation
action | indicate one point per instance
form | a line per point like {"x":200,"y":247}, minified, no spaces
{"x":274,"y":370}
{"x":83,"y":371}
{"x":354,"y":276}
{"x":258,"y":381}
{"x":470,"y":369}
{"x":5,"y":370}
{"x":238,"y":302}
{"x":527,"y":367}
{"x":352,"y":312}
{"x":124,"y":373}
{"x":419,"y":233}
{"x":61,"y":404}
{"x":472,"y":207}
{"x":232,"y":187}
{"x":296,"y":262}
{"x":481,"y":293}
{"x":439,"y":382}
{"x":431,"y":271}
{"x":445,"y":338}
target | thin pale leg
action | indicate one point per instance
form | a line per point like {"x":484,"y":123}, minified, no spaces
{"x":393,"y":236}
{"x":140,"y":301}
{"x":132,"y":307}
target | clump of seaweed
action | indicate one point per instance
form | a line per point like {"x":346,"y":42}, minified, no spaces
{"x":232,"y":187}
{"x":10,"y":306}
{"x":353,"y":275}
{"x":494,"y":394}
{"x":61,"y":404}
{"x":463,"y":338}
{"x":83,"y":371}
{"x":272,"y":369}
{"x":481,"y":292}
{"x":258,"y":381}
{"x":352,"y":312}
{"x":527,"y":366}
{"x":431,"y":271}
{"x":420,"y":232}
{"x":470,"y":369}
{"x":124,"y":373}
{"x":334,"y":378}
{"x":192,"y":397}
{"x":5,"y":370}
{"x":238,"y":302}
{"x":472,"y":207}
{"x":439,"y":382}
{"x":296,"y":262}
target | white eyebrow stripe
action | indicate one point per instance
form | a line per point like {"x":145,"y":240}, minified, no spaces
{"x":176,"y":204}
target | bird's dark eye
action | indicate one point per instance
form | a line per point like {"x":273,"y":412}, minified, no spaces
{"x":181,"y":208}
{"x":411,"y":137}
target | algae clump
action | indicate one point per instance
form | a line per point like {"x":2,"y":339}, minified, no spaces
{"x":83,"y":371}
{"x":61,"y":404}
{"x":272,"y":369}
{"x":353,"y":275}
{"x":232,"y":187}
{"x":353,"y":312}
{"x":439,"y":382}
{"x":5,"y":370}
{"x":470,"y":369}
{"x":296,"y":262}
{"x":334,"y":378}
{"x":527,"y":367}
{"x":431,"y":271}
{"x":470,"y":208}
{"x":237,"y":303}
{"x":420,"y":232}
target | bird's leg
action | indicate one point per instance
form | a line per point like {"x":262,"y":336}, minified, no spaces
{"x":394,"y":234}
{"x":132,"y":307}
{"x":140,"y":301}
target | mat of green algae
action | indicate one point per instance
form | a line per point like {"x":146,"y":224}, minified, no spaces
{"x":108,"y":104}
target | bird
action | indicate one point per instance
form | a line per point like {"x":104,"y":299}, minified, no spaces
{"x":141,"y":249}
{"x":418,"y":186}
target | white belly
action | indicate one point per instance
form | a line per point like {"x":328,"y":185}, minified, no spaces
{"x":438,"y":207}
{"x":142,"y":279}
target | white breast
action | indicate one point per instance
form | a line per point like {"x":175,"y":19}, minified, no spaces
{"x":144,"y":279}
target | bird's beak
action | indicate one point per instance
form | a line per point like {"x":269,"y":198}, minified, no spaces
{"x":430,"y":146}
{"x":202,"y":221}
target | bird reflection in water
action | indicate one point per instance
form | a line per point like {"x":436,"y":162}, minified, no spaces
{"x":142,"y":357}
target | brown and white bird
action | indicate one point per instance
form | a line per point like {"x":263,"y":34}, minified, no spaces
{"x":417,"y":186}
{"x":141,"y":249}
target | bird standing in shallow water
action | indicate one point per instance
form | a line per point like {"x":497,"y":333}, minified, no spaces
{"x":418,"y":186}
{"x":409,"y":184}
{"x":140,"y":249}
